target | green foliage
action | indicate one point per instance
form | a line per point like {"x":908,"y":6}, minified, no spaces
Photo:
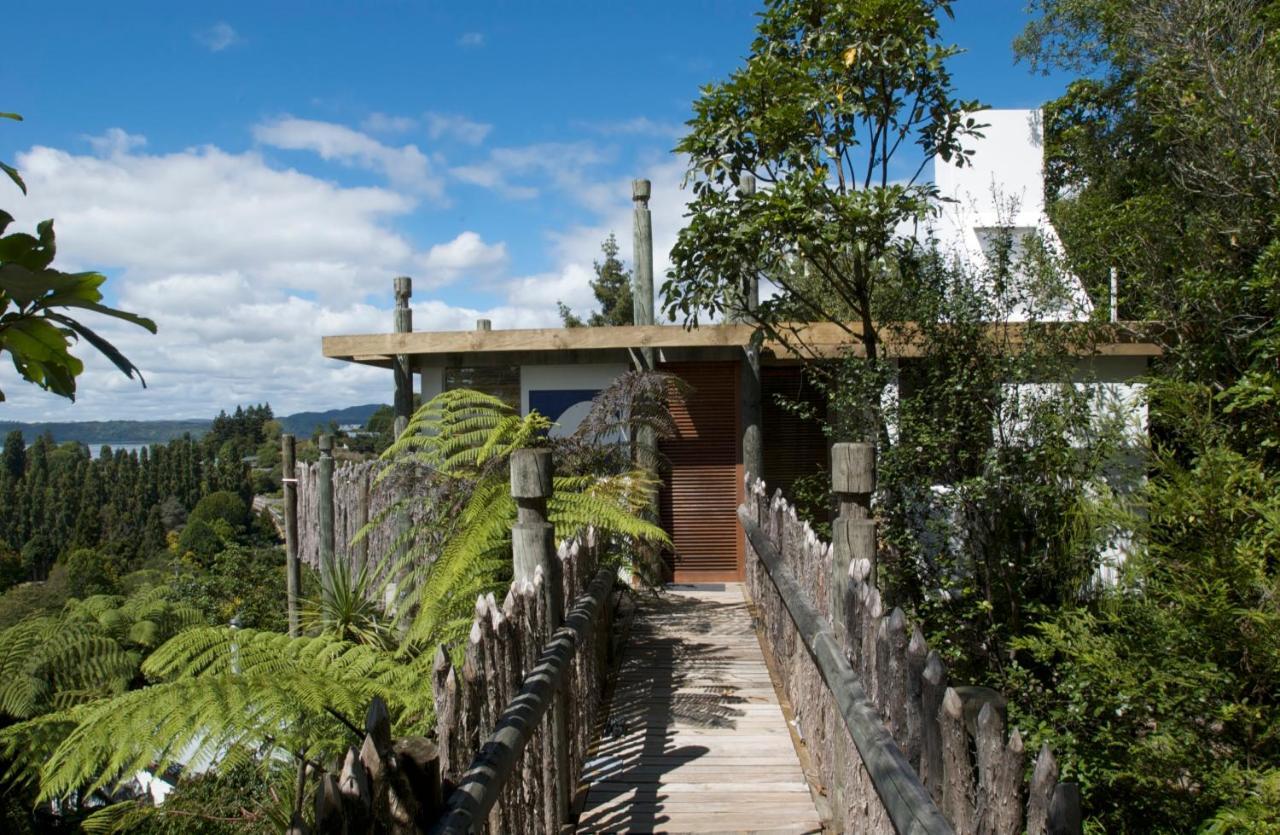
{"x":35,"y":327}
{"x":12,"y":570}
{"x":223,"y":505}
{"x":201,"y":539}
{"x":233,"y":695}
{"x":89,"y":573}
{"x":612,"y":288}
{"x":91,"y":649}
{"x":244,"y":799}
{"x":828,"y":96}
{"x":465,"y":439}
{"x":246,"y":583}
{"x":1161,"y":696}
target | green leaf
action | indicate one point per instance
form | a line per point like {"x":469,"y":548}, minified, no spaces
{"x":14,"y":175}
{"x":104,"y":347}
{"x":14,"y":116}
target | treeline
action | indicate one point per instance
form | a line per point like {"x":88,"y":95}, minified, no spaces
{"x":55,"y":499}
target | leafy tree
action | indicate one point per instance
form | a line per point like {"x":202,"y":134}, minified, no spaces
{"x":35,"y":327}
{"x":1162,"y":165}
{"x":12,"y":571}
{"x":201,"y":539}
{"x":829,"y":96}
{"x":13,"y":459}
{"x":612,"y":288}
{"x":223,"y":505}
{"x":89,"y":573}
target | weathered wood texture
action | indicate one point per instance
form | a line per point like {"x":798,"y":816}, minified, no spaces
{"x":405,"y":786}
{"x":357,"y":500}
{"x":387,"y":786}
{"x":695,"y":739}
{"x":506,"y":642}
{"x":966,"y":763}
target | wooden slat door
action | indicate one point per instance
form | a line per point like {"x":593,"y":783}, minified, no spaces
{"x":699,"y":503}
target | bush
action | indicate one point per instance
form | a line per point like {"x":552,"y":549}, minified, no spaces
{"x":223,"y":505}
{"x":90,"y":572}
{"x":199,"y":538}
{"x":248,"y":583}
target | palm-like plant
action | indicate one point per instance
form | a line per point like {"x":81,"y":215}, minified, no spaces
{"x":231,"y":695}
{"x":466,"y":438}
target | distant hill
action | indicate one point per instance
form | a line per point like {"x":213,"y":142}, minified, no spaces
{"x":95,"y":432}
{"x":304,"y":423}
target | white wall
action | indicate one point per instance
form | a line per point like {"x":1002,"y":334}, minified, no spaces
{"x":1002,"y":188}
{"x":594,"y":376}
{"x":431,"y":382}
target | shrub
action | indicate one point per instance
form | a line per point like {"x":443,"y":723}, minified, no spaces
{"x":223,"y":505}
{"x":200,"y":538}
{"x":89,"y":572}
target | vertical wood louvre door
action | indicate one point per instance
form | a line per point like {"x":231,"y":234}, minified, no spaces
{"x":699,"y":503}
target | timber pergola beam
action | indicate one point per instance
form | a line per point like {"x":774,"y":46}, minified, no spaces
{"x":819,"y":340}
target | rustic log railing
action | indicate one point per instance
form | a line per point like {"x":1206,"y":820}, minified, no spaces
{"x":896,"y":749}
{"x":495,"y":765}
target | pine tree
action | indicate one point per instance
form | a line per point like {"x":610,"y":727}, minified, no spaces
{"x":612,"y":287}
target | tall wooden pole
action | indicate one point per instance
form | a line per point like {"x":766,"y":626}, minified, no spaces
{"x":751,"y":407}
{"x":402,"y":367}
{"x":642,"y":283}
{"x":533,"y":546}
{"x":293,"y":569}
{"x":325,"y":492}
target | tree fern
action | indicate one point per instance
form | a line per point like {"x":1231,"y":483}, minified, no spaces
{"x":467,"y":438}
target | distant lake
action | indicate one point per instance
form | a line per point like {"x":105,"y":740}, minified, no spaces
{"x":95,"y":450}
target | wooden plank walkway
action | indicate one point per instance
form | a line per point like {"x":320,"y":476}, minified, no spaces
{"x":695,"y":740}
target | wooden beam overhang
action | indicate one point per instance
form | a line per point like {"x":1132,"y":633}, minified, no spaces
{"x":818,"y":340}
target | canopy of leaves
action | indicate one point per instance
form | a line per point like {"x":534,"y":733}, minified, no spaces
{"x":828,"y":97}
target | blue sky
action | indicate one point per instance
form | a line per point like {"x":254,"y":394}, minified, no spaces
{"x":253,"y":175}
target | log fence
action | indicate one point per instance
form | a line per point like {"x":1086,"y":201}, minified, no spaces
{"x":515,"y":720}
{"x":897,"y":746}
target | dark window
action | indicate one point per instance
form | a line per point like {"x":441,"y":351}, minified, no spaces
{"x":502,"y":381}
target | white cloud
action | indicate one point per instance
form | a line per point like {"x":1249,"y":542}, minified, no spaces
{"x":385,"y":123}
{"x":460,"y":128}
{"x":115,"y":141}
{"x":564,"y":165}
{"x":219,"y":36}
{"x":405,"y":167}
{"x":638,"y":126}
{"x":466,"y":254}
{"x":243,"y":266}
{"x":471,"y":40}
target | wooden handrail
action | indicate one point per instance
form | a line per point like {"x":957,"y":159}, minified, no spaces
{"x":477,"y":792}
{"x":910,"y":808}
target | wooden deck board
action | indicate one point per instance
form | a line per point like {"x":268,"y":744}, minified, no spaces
{"x":695,"y":740}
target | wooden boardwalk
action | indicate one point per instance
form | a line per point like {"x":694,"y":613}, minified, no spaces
{"x":695,"y":739}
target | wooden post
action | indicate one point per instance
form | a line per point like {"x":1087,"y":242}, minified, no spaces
{"x":853,"y":536}
{"x":533,"y":546}
{"x":642,"y":287}
{"x":325,"y":492}
{"x":751,"y":407}
{"x":403,"y":371}
{"x":293,"y":572}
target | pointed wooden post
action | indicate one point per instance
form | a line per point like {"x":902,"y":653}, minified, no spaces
{"x":293,"y":570}
{"x":533,"y":546}
{"x":402,"y":367}
{"x":325,"y":492}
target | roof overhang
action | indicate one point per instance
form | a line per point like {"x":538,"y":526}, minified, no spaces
{"x":802,"y":341}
